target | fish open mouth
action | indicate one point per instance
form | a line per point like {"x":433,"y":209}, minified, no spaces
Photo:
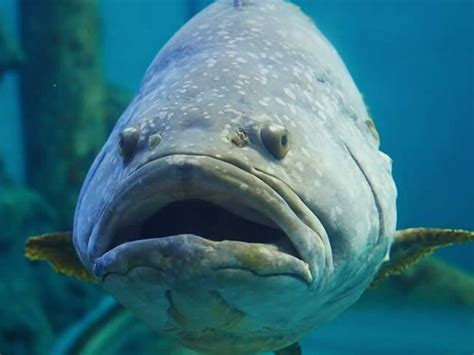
{"x":191,"y":214}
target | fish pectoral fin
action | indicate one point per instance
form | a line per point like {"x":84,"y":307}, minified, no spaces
{"x":293,"y":349}
{"x":57,"y":248}
{"x":412,"y":244}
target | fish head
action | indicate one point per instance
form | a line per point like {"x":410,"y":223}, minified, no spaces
{"x":241,"y":199}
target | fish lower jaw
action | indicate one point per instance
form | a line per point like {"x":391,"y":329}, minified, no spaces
{"x":216,"y":311}
{"x":186,"y":256}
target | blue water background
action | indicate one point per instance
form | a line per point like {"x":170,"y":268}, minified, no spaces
{"x":413,"y":62}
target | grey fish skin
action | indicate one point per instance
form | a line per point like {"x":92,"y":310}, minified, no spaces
{"x":235,"y":69}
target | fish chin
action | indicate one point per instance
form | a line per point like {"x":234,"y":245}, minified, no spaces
{"x":187,"y":297}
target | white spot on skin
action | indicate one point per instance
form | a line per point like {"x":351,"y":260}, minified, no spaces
{"x":308,"y":96}
{"x":244,"y":187}
{"x":292,"y":108}
{"x":299,"y":166}
{"x":322,"y":115}
{"x":289,"y":93}
{"x":280,"y":101}
{"x":211,"y":62}
{"x":305,"y":152}
{"x":335,"y":213}
{"x":162,"y":115}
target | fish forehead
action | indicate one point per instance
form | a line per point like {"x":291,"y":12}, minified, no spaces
{"x":242,"y":67}
{"x":234,"y":68}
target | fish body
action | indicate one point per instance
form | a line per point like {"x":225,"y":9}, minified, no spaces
{"x":241,"y":199}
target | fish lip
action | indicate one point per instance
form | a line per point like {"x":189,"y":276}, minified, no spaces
{"x":303,"y":228}
{"x":190,"y":256}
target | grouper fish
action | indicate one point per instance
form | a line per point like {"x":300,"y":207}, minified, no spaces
{"x":241,"y":200}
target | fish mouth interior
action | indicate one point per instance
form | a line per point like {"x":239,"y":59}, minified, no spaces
{"x":207,"y":220}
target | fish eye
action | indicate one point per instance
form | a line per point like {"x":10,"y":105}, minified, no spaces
{"x":128,"y":141}
{"x":276,"y":139}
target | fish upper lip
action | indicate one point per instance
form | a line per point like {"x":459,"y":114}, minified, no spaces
{"x":303,"y":228}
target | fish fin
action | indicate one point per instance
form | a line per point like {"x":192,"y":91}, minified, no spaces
{"x":57,"y":248}
{"x":412,"y":244}
{"x":293,"y":349}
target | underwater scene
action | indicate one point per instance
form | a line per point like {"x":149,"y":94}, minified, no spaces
{"x":236,"y":177}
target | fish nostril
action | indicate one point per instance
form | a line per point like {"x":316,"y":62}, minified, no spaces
{"x":154,"y":140}
{"x":276,"y":139}
{"x":238,"y":137}
{"x":128,"y":142}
